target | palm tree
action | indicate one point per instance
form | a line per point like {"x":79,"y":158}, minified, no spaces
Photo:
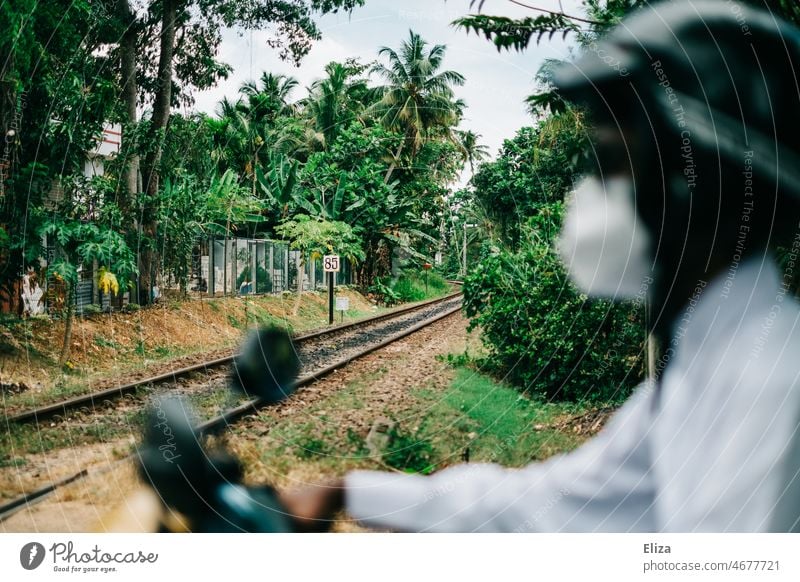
{"x":227,"y":142}
{"x":269,"y":100}
{"x":471,"y":149}
{"x":417,"y":99}
{"x":247,"y":125}
{"x":333,"y":101}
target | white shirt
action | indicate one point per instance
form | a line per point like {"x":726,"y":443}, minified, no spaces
{"x":717,"y":450}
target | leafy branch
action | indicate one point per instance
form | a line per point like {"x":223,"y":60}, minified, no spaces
{"x":509,"y":33}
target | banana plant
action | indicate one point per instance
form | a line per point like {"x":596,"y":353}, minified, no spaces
{"x":278,"y":183}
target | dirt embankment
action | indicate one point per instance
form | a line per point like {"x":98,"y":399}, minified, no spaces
{"x":107,"y":345}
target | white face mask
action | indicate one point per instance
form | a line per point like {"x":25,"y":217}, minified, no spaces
{"x":604,"y":245}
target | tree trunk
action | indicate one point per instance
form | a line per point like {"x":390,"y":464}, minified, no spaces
{"x":255,"y":165}
{"x":149,"y":258}
{"x":129,"y":95}
{"x":393,"y":165}
{"x":129,"y":186}
{"x":67,"y":344}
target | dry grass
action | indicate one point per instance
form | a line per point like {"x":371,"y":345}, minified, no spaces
{"x":111,"y":345}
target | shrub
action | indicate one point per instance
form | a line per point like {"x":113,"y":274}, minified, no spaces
{"x":263,"y":283}
{"x":92,"y":309}
{"x":408,"y":290}
{"x":409,"y":287}
{"x":384,"y":293}
{"x":409,"y":453}
{"x":544,"y":336}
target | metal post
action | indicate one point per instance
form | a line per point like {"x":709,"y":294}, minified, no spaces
{"x":235,"y":267}
{"x":330,"y":298}
{"x":271,"y":270}
{"x":464,"y":274}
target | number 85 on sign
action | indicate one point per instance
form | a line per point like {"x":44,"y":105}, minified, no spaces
{"x":331,"y":263}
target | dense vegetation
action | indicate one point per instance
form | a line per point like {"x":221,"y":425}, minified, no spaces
{"x":374,"y":147}
{"x":541,"y":333}
{"x":361,"y":163}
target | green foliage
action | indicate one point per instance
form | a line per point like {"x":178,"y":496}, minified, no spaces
{"x":92,"y":309}
{"x":409,"y":287}
{"x":49,"y":113}
{"x":188,"y":211}
{"x":542,"y":335}
{"x":407,"y":291}
{"x":509,"y":33}
{"x":536,"y":167}
{"x":335,"y":101}
{"x":418,"y":97}
{"x":346,"y":152}
{"x":277,"y":180}
{"x":382,"y":289}
{"x":309,"y":447}
{"x":81,"y":243}
{"x":263,"y":279}
{"x":409,"y":452}
{"x":315,"y":237}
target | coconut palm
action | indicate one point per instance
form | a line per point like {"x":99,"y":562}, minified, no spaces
{"x":417,"y":98}
{"x":471,"y":149}
{"x":249,"y":124}
{"x":269,"y":98}
{"x":334,"y":100}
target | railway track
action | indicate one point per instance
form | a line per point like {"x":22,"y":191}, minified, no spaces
{"x":313,"y":348}
{"x":348,"y":342}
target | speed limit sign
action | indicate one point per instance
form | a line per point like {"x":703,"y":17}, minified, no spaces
{"x":331,"y":263}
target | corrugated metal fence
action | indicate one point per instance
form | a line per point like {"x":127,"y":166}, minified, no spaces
{"x":225,"y":267}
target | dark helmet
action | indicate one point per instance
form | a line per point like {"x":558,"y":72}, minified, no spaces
{"x":707,"y":97}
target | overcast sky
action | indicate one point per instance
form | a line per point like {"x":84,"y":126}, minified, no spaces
{"x":496,"y":83}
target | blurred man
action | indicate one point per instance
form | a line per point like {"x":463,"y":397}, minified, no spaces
{"x":697,"y":180}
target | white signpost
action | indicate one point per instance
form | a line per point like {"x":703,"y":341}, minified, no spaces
{"x":342,"y":305}
{"x":330,"y":264}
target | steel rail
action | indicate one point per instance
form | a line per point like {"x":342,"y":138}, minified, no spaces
{"x":93,"y":399}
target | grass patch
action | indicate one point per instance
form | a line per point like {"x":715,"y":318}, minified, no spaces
{"x":6,"y":462}
{"x":486,"y":421}
{"x":105,"y":343}
{"x":475,"y":418}
{"x":407,"y":452}
{"x":258,"y":315}
{"x":30,"y":439}
{"x":412,"y":286}
{"x":140,"y":349}
{"x":308,"y":447}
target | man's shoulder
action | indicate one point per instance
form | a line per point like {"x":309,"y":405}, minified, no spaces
{"x":774,"y":333}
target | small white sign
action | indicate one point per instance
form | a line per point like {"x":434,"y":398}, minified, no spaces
{"x":342,"y":303}
{"x":331,"y":263}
